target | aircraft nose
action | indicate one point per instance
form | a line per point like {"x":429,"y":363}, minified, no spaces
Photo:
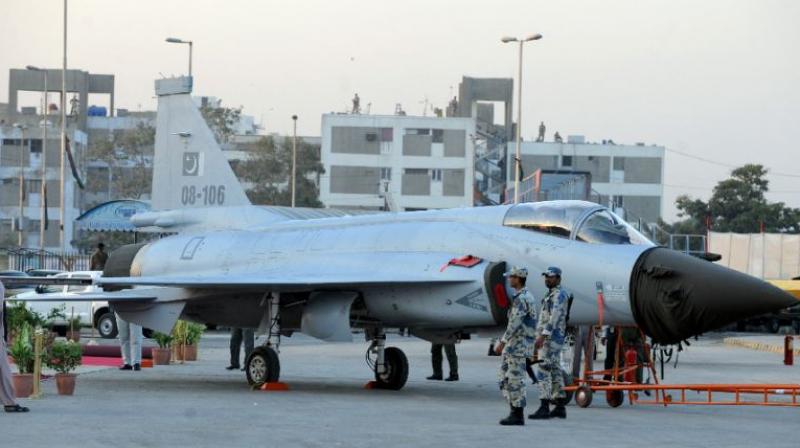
{"x":675,"y":296}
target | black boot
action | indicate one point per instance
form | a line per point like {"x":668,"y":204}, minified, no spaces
{"x":559,"y":411}
{"x":435,"y":377}
{"x":452,"y":377}
{"x":543,"y":412}
{"x":515,"y":418}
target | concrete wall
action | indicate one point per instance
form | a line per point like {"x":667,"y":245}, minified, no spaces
{"x":416,"y":183}
{"x":642,"y":170}
{"x":355,"y":140}
{"x":454,"y":143}
{"x":355,"y":179}
{"x":599,"y":166}
{"x":644,"y":207}
{"x":453,"y":182}
{"x":417,"y":145}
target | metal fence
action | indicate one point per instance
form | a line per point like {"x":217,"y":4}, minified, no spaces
{"x":22,"y":259}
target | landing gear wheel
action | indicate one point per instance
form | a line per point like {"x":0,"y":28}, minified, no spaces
{"x":262,"y":366}
{"x":396,"y":374}
{"x":614,"y":398}
{"x":107,"y":326}
{"x":583,"y":396}
{"x":567,"y":380}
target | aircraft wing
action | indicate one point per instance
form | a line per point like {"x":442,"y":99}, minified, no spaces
{"x":346,"y":270}
{"x":118,"y":296}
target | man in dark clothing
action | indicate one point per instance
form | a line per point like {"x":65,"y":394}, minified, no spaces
{"x":436,"y":361}
{"x":99,"y":258}
{"x":237,"y":336}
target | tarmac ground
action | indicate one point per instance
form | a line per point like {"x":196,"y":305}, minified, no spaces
{"x":201,"y":404}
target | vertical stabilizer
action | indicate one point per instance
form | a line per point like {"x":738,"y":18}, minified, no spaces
{"x":189,"y":169}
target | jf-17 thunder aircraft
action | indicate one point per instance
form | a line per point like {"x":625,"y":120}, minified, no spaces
{"x":437,"y":273}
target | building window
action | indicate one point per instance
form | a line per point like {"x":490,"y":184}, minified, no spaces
{"x":372,"y":137}
{"x":619,"y":163}
{"x":34,"y":186}
{"x":387,"y":134}
{"x":566,"y":161}
{"x":417,"y":131}
{"x":438,"y":136}
{"x":436,"y":175}
{"x":416,"y":171}
{"x":386,"y":174}
{"x":36,"y":145}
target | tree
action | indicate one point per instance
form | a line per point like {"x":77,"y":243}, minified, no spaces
{"x":127,"y":154}
{"x":222,"y":121}
{"x":738,"y":204}
{"x":269,"y":171}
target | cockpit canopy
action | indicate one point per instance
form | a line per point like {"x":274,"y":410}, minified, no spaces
{"x":577,"y":220}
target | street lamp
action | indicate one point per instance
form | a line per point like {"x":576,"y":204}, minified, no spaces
{"x":175,"y":40}
{"x":20,"y":224}
{"x":43,"y":191}
{"x":294,"y":158}
{"x":506,"y":40}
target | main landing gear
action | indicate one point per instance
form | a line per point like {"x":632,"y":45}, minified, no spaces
{"x":390,"y":363}
{"x":263,"y":365}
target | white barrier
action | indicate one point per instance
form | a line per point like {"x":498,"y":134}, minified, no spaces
{"x":763,"y":255}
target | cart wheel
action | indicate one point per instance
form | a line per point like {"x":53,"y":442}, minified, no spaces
{"x":567,"y":378}
{"x":583,"y":396}
{"x":614,"y":398}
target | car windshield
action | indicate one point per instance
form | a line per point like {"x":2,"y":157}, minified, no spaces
{"x":604,"y":227}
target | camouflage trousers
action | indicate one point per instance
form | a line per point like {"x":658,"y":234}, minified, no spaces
{"x":512,"y":380}
{"x":551,"y":381}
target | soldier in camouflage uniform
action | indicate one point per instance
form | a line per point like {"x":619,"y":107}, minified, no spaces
{"x":550,"y":334}
{"x":516,"y":346}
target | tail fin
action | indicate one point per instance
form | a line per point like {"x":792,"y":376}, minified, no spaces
{"x":189,"y":169}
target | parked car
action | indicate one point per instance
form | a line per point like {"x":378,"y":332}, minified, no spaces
{"x":43,"y":272}
{"x":96,"y":314}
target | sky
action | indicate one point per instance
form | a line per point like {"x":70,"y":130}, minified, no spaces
{"x":718,"y":80}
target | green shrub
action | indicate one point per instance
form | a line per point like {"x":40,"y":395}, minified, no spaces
{"x":22,"y":350}
{"x":163,"y":340}
{"x":64,"y":356}
{"x":187,"y":333}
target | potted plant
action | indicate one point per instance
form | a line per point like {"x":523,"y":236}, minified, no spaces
{"x":23,"y":355}
{"x":19,"y":315}
{"x":161,"y":354}
{"x":74,"y":329}
{"x":186,"y":336}
{"x":64,"y":357}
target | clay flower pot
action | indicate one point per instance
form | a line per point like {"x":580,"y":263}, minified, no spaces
{"x":186,"y":353}
{"x":191,"y":353}
{"x":23,"y":385}
{"x":65,"y":383}
{"x":161,"y":356}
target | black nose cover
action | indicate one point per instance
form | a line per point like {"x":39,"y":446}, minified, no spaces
{"x":675,"y":296}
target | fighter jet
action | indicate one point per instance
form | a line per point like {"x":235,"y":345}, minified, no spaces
{"x":437,"y":273}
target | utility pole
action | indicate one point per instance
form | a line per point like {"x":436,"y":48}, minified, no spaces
{"x":294,"y":159}
{"x":62,"y":181}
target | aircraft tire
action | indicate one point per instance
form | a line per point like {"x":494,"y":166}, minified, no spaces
{"x":583,"y":396}
{"x":107,"y":326}
{"x":262,"y":366}
{"x":614,"y":398}
{"x":397,"y":370}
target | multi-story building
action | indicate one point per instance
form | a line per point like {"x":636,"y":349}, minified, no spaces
{"x":628,"y":178}
{"x":397,"y":162}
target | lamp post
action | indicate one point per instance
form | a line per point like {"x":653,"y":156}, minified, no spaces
{"x":62,"y":205}
{"x":21,"y":174}
{"x":175,"y":40}
{"x":294,"y":158}
{"x":43,"y":191}
{"x":517,"y":160}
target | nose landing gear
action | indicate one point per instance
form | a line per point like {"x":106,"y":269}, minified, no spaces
{"x":390,"y":364}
